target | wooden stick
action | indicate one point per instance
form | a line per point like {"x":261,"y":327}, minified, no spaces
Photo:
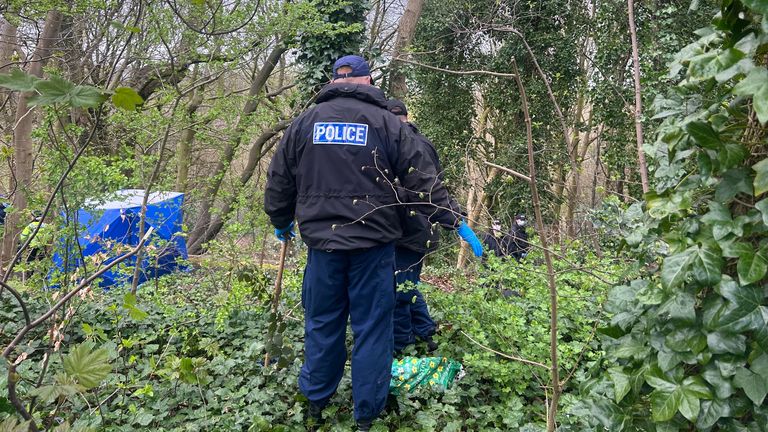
{"x":509,"y":171}
{"x":554,"y":371}
{"x":278,"y":289}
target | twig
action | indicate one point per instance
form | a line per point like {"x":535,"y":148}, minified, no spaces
{"x":554,"y":371}
{"x":13,"y":378}
{"x":145,"y":199}
{"x":49,"y":204}
{"x":501,"y":354}
{"x":510,"y":171}
{"x":454,"y":72}
{"x":69,"y":295}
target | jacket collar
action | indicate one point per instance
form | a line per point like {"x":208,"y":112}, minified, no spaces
{"x":365,"y":93}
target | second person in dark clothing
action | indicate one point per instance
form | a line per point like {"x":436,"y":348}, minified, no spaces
{"x":412,"y":319}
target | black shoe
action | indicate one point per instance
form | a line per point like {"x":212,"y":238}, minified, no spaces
{"x":392,"y":405}
{"x":431,"y":344}
{"x":315,"y":416}
{"x":364,"y":425}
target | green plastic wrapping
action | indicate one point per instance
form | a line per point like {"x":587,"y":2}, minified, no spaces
{"x":411,"y":374}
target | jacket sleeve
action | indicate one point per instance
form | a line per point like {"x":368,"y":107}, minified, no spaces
{"x":453,"y":206}
{"x":421,"y":184}
{"x":280,"y":192}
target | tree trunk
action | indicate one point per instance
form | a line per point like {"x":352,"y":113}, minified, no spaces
{"x":8,"y":44}
{"x":254,"y":157}
{"x":22,"y":138}
{"x":184,"y":149}
{"x":642,"y":167}
{"x":553,"y":303}
{"x":405,"y":31}
{"x":476,"y":195}
{"x":573,"y":153}
{"x":257,"y":85}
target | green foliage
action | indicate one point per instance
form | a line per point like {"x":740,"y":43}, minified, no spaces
{"x":687,"y":340}
{"x":86,"y":365}
{"x":519,"y":326}
{"x":58,"y":91}
{"x":126,"y":98}
{"x":340,"y":32}
{"x":12,"y":425}
{"x":195,"y":355}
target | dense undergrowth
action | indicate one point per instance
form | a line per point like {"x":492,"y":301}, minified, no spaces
{"x":189,"y":354}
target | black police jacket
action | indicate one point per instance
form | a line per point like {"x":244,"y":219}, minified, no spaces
{"x":337,"y":167}
{"x":493,"y":244}
{"x":516,"y":242}
{"x":419,"y":234}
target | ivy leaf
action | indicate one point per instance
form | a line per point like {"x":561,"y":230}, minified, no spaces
{"x":674,"y":269}
{"x":752,"y":267}
{"x":745,"y":310}
{"x":763,"y":207}
{"x":689,"y":406}
{"x":722,"y":343}
{"x":11,"y":425}
{"x":18,"y":80}
{"x":760,"y":366}
{"x":753,"y":385}
{"x":717,"y":213}
{"x":730,"y":63}
{"x":734,"y":181}
{"x":696,"y":386}
{"x":756,"y":86}
{"x":620,"y":382}
{"x":711,"y":412}
{"x":732,"y":155}
{"x":126,"y":98}
{"x":723,"y":387}
{"x":704,"y":135}
{"x":657,"y":379}
{"x":664,"y":404}
{"x":761,"y":178}
{"x":680,"y":306}
{"x":686,"y":340}
{"x":707,"y":265}
{"x":86,"y":365}
{"x":631,"y":347}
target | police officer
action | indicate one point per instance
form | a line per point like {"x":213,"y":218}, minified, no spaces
{"x":494,"y":241}
{"x":335,"y":171}
{"x":516,"y":242}
{"x":420,"y":237}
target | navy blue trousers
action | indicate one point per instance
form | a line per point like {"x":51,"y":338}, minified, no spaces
{"x":411,"y":313}
{"x":342,"y":285}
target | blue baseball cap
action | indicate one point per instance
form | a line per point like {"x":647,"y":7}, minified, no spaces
{"x":358,"y":64}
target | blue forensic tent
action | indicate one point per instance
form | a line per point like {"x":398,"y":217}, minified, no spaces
{"x":112,"y":228}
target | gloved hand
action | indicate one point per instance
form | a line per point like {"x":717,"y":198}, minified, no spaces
{"x":286,"y":233}
{"x":466,"y":233}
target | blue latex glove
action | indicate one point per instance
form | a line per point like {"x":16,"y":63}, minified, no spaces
{"x":286,"y":233}
{"x":466,"y":233}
